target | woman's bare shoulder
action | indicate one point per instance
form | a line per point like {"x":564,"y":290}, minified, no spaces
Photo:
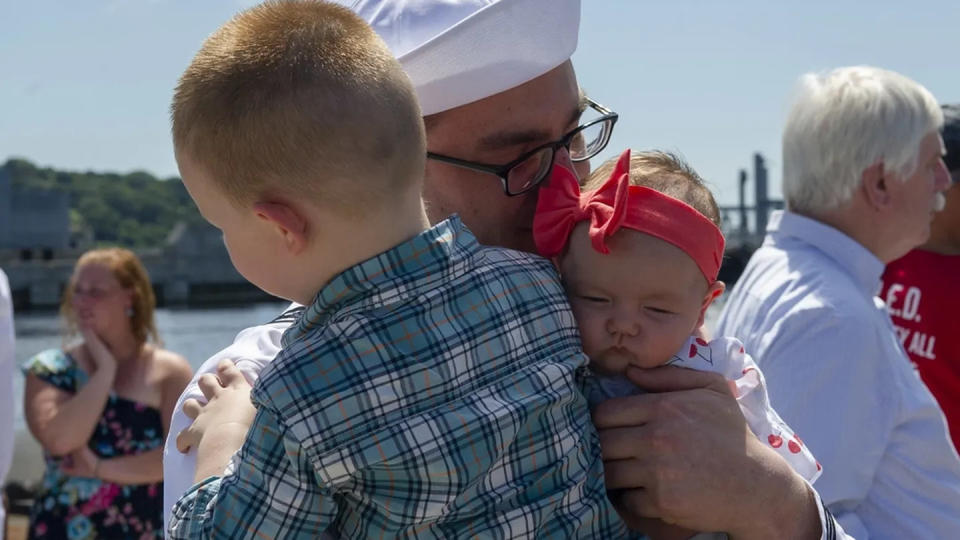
{"x":172,"y":365}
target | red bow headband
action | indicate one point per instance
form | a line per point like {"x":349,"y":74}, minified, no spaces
{"x":617,"y":204}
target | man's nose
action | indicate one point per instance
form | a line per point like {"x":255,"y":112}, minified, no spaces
{"x":942,"y":177}
{"x":562,"y":157}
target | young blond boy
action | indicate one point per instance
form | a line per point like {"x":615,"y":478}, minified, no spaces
{"x":430,"y":388}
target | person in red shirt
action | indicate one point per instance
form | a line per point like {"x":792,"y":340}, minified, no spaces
{"x":922,"y":292}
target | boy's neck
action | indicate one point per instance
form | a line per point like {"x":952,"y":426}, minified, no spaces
{"x":363,"y":239}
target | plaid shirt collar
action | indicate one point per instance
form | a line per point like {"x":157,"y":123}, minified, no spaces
{"x":429,"y":256}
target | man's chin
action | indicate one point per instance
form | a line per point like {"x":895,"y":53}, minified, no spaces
{"x":519,"y":240}
{"x":523,"y":241}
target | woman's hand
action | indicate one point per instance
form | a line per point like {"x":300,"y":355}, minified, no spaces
{"x":81,"y":462}
{"x":102,"y":358}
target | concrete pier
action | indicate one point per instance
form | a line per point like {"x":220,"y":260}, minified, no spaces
{"x":193,"y":267}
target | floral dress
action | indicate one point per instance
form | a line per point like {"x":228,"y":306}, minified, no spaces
{"x":87,"y":508}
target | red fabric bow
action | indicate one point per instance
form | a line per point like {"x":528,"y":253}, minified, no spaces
{"x":617,"y":204}
{"x":561,"y":206}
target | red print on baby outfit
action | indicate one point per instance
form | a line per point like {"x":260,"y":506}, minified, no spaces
{"x":702,"y":349}
{"x":775,"y":441}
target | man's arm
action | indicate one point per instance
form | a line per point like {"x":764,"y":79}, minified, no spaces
{"x":685,"y":455}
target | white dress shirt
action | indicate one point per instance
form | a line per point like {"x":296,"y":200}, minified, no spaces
{"x":251,"y":351}
{"x":7,"y":406}
{"x":806,"y":307}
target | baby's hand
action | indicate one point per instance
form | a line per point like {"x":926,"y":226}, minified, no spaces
{"x":226,"y":416}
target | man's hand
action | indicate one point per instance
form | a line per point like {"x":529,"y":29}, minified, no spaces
{"x":220,"y":426}
{"x":684,"y":454}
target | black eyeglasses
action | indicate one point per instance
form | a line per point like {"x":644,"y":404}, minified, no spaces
{"x":527,"y":171}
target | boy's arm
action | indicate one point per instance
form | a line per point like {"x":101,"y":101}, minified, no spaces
{"x":252,"y":350}
{"x":269,"y":488}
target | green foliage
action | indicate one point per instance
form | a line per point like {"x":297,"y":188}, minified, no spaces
{"x":134,"y":210}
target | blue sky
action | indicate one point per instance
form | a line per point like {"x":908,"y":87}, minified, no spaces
{"x":86,"y":85}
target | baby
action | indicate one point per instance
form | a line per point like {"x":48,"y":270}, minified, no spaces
{"x":639,"y":251}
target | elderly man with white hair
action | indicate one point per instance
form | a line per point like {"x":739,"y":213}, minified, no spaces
{"x":863,"y":174}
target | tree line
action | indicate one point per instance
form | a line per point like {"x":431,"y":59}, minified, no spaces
{"x":134,"y":210}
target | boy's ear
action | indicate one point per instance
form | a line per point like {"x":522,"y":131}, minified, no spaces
{"x":715,"y":290}
{"x":876,"y":186}
{"x":287,"y":221}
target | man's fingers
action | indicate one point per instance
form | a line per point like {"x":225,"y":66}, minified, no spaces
{"x":673,"y":379}
{"x":229,"y":374}
{"x":638,"y":503}
{"x":625,"y":411}
{"x":619,"y":443}
{"x":627,"y":474}
{"x":209,"y":384}
{"x":192,"y":408}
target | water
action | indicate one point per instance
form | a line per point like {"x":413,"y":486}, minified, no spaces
{"x":194,"y":333}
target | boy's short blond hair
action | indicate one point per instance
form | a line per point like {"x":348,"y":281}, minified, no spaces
{"x":296,"y":99}
{"x":666,"y":173}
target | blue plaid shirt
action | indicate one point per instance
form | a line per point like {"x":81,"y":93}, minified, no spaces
{"x":432,"y":391}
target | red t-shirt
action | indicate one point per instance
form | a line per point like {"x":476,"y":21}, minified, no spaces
{"x":922,"y":293}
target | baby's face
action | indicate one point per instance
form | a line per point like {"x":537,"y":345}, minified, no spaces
{"x":636,"y":305}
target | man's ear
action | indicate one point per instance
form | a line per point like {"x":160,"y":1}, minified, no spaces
{"x":713,"y":292}
{"x":876,"y":186}
{"x":287,"y":221}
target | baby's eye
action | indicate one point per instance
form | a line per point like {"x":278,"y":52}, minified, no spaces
{"x":657,"y":310}
{"x":593,"y":299}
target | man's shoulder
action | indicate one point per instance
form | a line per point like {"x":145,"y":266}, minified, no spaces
{"x":802,"y":276}
{"x":921,"y":267}
{"x":780,"y":300}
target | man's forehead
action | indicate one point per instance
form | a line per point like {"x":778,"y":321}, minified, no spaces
{"x":541,"y":109}
{"x":519,"y":135}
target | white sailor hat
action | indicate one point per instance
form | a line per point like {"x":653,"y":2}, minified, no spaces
{"x":458,"y":51}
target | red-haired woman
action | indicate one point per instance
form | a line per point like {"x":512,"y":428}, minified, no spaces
{"x":101,"y":408}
